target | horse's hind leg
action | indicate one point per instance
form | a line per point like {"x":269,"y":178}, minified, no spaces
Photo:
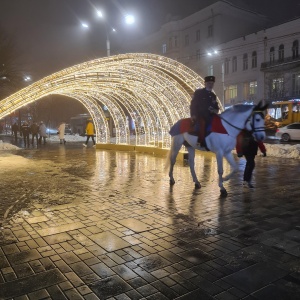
{"x":191,"y":151}
{"x":175,"y":147}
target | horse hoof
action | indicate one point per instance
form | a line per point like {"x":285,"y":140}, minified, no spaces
{"x":197,"y":186}
{"x":172,"y":182}
{"x":223,"y":193}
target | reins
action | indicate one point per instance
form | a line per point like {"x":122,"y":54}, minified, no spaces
{"x":251,"y":123}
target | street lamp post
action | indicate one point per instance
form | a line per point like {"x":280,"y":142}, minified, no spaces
{"x":212,"y":54}
{"x":129,"y":19}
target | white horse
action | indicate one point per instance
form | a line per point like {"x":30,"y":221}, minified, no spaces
{"x":234,"y":119}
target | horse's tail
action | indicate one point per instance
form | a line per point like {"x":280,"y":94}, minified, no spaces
{"x":168,"y":158}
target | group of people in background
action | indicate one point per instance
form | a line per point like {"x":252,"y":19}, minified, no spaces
{"x":38,"y":132}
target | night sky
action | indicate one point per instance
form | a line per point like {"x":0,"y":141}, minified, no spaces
{"x":49,"y":36}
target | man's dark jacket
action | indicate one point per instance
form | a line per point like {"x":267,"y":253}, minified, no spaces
{"x":202,"y":100}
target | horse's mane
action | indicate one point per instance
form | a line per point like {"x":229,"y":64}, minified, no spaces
{"x":237,"y":108}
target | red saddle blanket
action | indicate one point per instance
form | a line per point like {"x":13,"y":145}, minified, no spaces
{"x":186,"y":125}
{"x":217,"y":126}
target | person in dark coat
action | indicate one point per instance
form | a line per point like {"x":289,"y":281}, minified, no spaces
{"x":34,"y":128}
{"x":25,"y":129}
{"x":203,"y":105}
{"x":15,"y":129}
{"x":248,"y":146}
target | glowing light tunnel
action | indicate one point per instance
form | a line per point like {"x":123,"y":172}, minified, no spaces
{"x":153,"y":90}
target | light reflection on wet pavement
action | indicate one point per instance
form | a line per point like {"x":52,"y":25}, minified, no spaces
{"x":91,"y":224}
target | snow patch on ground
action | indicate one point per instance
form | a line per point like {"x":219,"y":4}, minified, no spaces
{"x":68,"y":138}
{"x":284,"y":151}
{"x":7,"y":146}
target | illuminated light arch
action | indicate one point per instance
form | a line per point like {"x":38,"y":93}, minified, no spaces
{"x":153,"y":90}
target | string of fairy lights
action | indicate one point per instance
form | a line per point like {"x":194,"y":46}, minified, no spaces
{"x":154,"y":91}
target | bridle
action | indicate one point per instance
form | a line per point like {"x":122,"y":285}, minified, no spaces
{"x":252,"y":121}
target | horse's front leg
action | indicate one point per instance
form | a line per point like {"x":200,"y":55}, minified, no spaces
{"x":233,"y":165}
{"x":191,"y":152}
{"x":220,"y":172}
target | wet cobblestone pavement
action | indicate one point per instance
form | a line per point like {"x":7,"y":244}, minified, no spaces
{"x":90,"y":224}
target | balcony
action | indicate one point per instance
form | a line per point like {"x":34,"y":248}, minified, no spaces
{"x":278,"y":63}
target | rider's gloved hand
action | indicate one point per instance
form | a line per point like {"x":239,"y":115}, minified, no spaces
{"x":264,"y":154}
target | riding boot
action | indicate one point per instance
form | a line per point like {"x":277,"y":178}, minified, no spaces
{"x":201,"y":133}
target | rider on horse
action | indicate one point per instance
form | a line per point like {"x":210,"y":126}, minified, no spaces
{"x":203,"y":105}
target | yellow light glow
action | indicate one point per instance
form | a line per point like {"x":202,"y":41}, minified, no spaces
{"x":153,"y":90}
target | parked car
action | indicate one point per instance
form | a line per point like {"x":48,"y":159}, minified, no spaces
{"x":289,"y":132}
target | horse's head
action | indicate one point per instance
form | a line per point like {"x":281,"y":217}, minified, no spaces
{"x":256,"y":122}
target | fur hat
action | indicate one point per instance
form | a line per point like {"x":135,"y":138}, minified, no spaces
{"x":210,"y":78}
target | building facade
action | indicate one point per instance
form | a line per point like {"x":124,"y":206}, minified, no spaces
{"x":264,"y":65}
{"x":190,"y":39}
{"x":250,"y":64}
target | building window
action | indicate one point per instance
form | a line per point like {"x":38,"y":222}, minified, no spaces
{"x":186,"y":40}
{"x":254,"y":59}
{"x":234,"y":64}
{"x":253,"y":88}
{"x":175,"y":41}
{"x":296,"y":84}
{"x":226,"y":66}
{"x":164,"y":48}
{"x":210,"y":31}
{"x":210,"y":70}
{"x":272,"y":54}
{"x":281,"y":52}
{"x":198,"y":35}
{"x":277,"y":88}
{"x":295,"y":49}
{"x":198,"y":54}
{"x":231,"y":93}
{"x":245,"y":61}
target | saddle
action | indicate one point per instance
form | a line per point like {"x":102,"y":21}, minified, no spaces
{"x":186,"y":125}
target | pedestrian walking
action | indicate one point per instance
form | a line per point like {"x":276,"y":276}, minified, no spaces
{"x":89,"y":131}
{"x":203,"y":105}
{"x":248,"y":146}
{"x":34,"y":128}
{"x":15,"y":129}
{"x":42,"y":132}
{"x":61,"y":132}
{"x":25,"y":129}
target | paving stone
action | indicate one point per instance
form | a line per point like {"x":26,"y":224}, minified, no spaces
{"x":109,"y":241}
{"x":109,"y":287}
{"x":196,"y":295}
{"x":22,"y":257}
{"x":255,"y":277}
{"x":102,"y":270}
{"x":124,"y":272}
{"x":152,"y":262}
{"x":196,"y":256}
{"x":37,"y":219}
{"x":31,"y":283}
{"x":59,"y":229}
